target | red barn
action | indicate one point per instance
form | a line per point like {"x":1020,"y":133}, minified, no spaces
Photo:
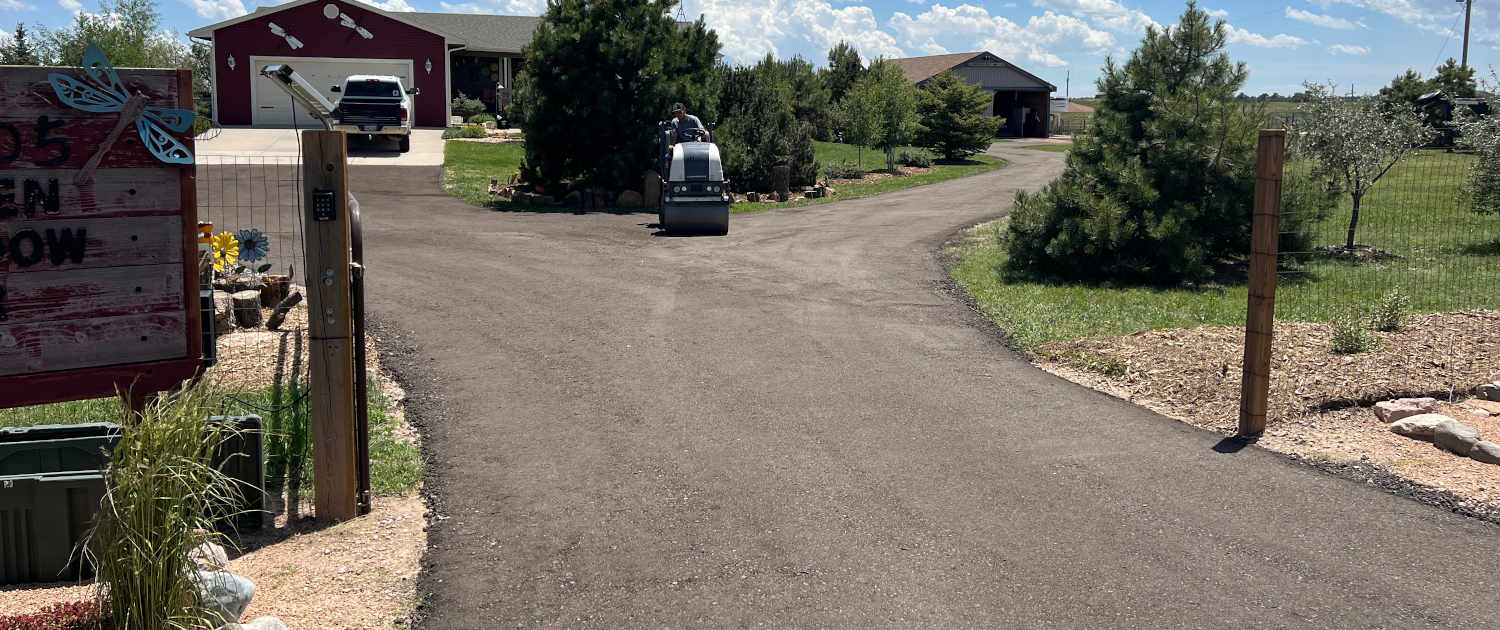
{"x":326,"y":40}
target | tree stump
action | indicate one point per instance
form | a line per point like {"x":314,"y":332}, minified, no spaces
{"x":781,"y":179}
{"x":275,"y":290}
{"x":223,"y":313}
{"x":247,"y":309}
{"x":279,"y":315}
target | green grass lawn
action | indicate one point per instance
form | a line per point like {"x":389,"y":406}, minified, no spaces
{"x":469,"y":167}
{"x":1050,"y":148}
{"x":1449,"y":260}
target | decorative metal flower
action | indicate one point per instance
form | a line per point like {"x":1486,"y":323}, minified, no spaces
{"x":253,"y":245}
{"x":226,"y":251}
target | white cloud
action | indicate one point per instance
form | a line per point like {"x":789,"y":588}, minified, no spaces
{"x":391,"y":5}
{"x":210,"y":9}
{"x":750,"y":29}
{"x":485,"y":7}
{"x":16,"y":5}
{"x":967,"y":28}
{"x":1281,"y":40}
{"x":1318,"y":19}
{"x":1218,"y":13}
{"x":1348,"y":49}
{"x":1109,"y":15}
{"x":71,"y":6}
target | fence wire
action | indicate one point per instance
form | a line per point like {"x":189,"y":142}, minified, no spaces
{"x":238,"y":192}
{"x":1415,"y":236}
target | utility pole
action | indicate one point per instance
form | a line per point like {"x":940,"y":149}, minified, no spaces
{"x":1468,"y":11}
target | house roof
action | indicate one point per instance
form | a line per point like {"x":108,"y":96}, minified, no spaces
{"x":919,"y":69}
{"x":490,"y":33}
{"x":1075,"y":106}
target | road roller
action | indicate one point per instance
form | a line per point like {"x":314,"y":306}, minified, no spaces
{"x":694,"y":194}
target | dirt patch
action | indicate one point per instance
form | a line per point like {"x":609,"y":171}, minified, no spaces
{"x":1319,"y":401}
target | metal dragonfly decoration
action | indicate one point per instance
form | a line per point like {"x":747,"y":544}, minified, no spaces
{"x":104,"y":92}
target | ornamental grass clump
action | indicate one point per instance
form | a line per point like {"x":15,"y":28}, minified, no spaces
{"x":162,"y":493}
{"x":1392,"y":312}
{"x":1351,"y":335}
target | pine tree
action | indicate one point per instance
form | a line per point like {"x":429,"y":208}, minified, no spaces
{"x":599,"y":77}
{"x":953,"y":121}
{"x":1454,"y":80}
{"x":761,"y":129}
{"x":1404,"y":89}
{"x":1162,"y":187}
{"x":844,"y":70}
{"x":19,"y":52}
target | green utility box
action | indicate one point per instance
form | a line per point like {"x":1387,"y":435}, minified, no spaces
{"x":42,"y":518}
{"x":242,"y":458}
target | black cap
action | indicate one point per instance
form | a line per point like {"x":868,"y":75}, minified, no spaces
{"x":677,"y":107}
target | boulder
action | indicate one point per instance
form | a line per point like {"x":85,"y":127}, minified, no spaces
{"x":1454,"y":437}
{"x":752,"y":197}
{"x":1483,"y":407}
{"x":629,"y":199}
{"x":247,"y":309}
{"x":651,"y":189}
{"x":1393,"y":410}
{"x":259,"y":623}
{"x":1490,"y":391}
{"x":1485,"y":451}
{"x":1421,"y":426}
{"x":224,"y":595}
{"x":209,"y":556}
{"x":489,"y":124}
{"x":830,"y":191}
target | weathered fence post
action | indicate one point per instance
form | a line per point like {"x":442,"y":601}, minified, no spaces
{"x":1255,"y":384}
{"x":330,"y":324}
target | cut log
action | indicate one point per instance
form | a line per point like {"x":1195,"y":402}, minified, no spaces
{"x":223,"y":313}
{"x":276,"y":290}
{"x":247,"y":309}
{"x":279,"y":315}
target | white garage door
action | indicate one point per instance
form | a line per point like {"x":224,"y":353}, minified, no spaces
{"x":274,"y":108}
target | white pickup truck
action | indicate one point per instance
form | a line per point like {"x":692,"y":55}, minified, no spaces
{"x":375,"y":105}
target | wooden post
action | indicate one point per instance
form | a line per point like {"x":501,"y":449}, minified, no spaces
{"x":330,"y":325}
{"x":1255,"y":384}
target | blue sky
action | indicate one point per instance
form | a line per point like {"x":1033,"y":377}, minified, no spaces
{"x":1360,"y":42}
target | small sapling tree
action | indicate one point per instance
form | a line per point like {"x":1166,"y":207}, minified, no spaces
{"x":1482,"y":136}
{"x":953,"y":121}
{"x":1355,"y":143}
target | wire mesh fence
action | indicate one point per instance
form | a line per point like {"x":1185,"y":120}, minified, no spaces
{"x":1414,"y":239}
{"x":240,"y":193}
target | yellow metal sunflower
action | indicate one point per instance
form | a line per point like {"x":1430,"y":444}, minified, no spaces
{"x":226,"y":251}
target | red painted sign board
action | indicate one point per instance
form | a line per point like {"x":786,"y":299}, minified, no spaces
{"x":98,"y":248}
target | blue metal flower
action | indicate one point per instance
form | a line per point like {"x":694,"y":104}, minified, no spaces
{"x":253,"y":245}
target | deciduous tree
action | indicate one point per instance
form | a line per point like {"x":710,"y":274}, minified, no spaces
{"x":1355,"y":143}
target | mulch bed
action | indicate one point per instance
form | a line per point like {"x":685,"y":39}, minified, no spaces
{"x":1195,"y":373}
{"x":1320,"y":401}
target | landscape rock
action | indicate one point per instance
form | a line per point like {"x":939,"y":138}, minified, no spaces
{"x":752,"y":197}
{"x":209,"y":556}
{"x":224,"y":595}
{"x":1393,"y":410}
{"x":1455,"y":437}
{"x":629,"y":199}
{"x":1485,"y":451}
{"x":489,"y":124}
{"x":259,"y":623}
{"x":1421,"y":426}
{"x":247,"y":309}
{"x":1482,"y":407}
{"x":651,"y":189}
{"x":1490,"y":391}
{"x":829,"y":191}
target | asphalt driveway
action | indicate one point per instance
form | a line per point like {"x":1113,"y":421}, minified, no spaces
{"x":802,"y":425}
{"x":230,"y":145}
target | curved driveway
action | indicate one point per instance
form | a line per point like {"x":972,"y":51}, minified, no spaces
{"x":799,"y":425}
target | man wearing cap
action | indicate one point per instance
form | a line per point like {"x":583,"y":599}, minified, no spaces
{"x":683,"y":121}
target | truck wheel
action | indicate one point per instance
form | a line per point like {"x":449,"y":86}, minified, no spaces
{"x":405,"y":143}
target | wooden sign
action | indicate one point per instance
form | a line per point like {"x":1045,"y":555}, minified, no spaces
{"x":98,"y":255}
